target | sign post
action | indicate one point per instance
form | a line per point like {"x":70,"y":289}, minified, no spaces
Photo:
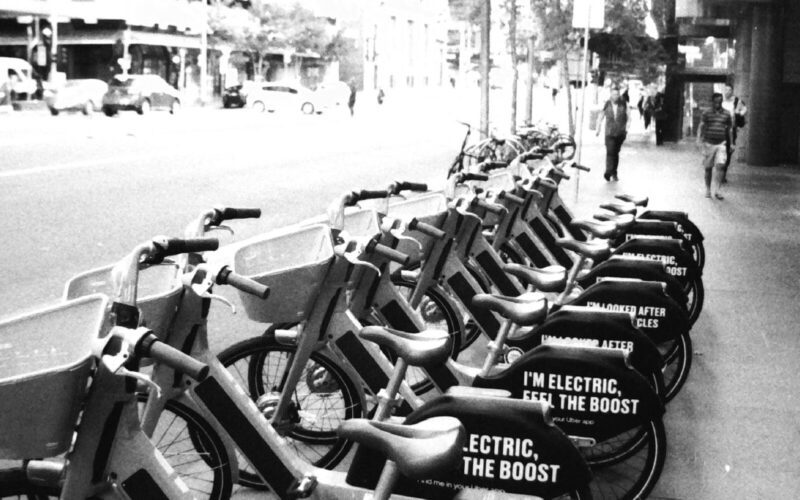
{"x":586,"y":14}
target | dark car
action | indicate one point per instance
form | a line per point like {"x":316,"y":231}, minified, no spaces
{"x":234,"y":97}
{"x":140,"y":93}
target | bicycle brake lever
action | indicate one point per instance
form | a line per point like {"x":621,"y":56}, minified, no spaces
{"x":221,"y":227}
{"x":358,"y":262}
{"x":221,"y":299}
{"x":141,"y":377}
{"x":400,"y":236}
{"x":203,"y":289}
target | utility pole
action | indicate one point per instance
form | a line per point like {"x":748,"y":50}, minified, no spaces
{"x":529,"y":81}
{"x":204,"y":53}
{"x":486,"y":27}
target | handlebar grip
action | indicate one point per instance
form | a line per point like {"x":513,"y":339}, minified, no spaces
{"x":489,"y":207}
{"x":580,"y":167}
{"x":175,"y":246}
{"x":229,"y":213}
{"x":409,"y":186}
{"x":559,"y":173}
{"x":151,"y":347}
{"x":365,"y":194}
{"x":488,"y":166}
{"x":474,"y":177}
{"x":390,"y":253}
{"x":511,"y":197}
{"x":243,"y":283}
{"x":531,"y":156}
{"x":427,"y":229}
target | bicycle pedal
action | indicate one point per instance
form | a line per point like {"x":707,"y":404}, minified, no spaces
{"x":302,"y":488}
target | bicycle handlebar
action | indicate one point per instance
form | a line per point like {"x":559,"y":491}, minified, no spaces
{"x":427,"y":229}
{"x":559,"y":173}
{"x":473,"y":177}
{"x":503,"y":195}
{"x":396,"y":187}
{"x":243,"y":283}
{"x":488,"y":166}
{"x":580,"y":167}
{"x":489,"y":207}
{"x":389,"y":253}
{"x":165,"y":247}
{"x":151,"y":347}
{"x":228,"y":213}
{"x":531,"y":155}
{"x":365,"y":194}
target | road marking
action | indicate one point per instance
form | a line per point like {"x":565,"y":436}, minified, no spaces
{"x":72,"y":165}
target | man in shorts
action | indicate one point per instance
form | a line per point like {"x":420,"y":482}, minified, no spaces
{"x":714,"y":136}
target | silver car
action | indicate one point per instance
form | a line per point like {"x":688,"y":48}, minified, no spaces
{"x":76,"y":95}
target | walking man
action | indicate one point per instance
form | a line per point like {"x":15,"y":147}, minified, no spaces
{"x":614,"y":120}
{"x":715,"y":132}
{"x":737,"y":109}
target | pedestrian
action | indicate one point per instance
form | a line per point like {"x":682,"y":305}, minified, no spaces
{"x":660,"y":115}
{"x":614,"y":120}
{"x":381,"y":96}
{"x":351,"y":102}
{"x":736,"y":107}
{"x":713,"y":135}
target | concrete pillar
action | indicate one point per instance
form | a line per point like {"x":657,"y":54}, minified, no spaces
{"x":744,"y":39}
{"x":765,"y":84}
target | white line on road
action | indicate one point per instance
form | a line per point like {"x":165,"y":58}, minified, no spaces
{"x":72,"y":165}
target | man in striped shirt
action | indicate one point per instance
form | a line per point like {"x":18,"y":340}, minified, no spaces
{"x":715,"y":133}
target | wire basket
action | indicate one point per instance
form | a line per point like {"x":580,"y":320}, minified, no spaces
{"x":293,"y":262}
{"x":45,"y":363}
{"x":158,"y":292}
{"x":430,"y":208}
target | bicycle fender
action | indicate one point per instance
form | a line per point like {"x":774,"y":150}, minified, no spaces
{"x":593,"y":328}
{"x":647,"y":270}
{"x":656,"y":314}
{"x":685,"y":225}
{"x":675,"y":256}
{"x":594,"y":392}
{"x":512,"y":445}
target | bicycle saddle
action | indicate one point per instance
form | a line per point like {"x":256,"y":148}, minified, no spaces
{"x":521,"y":310}
{"x":544,"y":279}
{"x":639,"y":201}
{"x":425,"y":449}
{"x":428,"y":348}
{"x":592,"y":249}
{"x":599,"y":229}
{"x":620,"y":207}
{"x":623,"y":221}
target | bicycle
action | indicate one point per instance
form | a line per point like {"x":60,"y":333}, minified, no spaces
{"x":108,"y":456}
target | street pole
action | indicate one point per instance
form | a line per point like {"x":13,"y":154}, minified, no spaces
{"x":583,"y":96}
{"x":486,"y":26}
{"x":529,"y":81}
{"x":512,"y":38}
{"x":204,"y":54}
{"x":53,"y":42}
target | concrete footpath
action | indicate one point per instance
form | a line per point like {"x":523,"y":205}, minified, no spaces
{"x":734,"y":429}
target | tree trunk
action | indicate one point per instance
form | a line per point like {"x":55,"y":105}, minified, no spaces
{"x":512,"y":50}
{"x":486,"y":25}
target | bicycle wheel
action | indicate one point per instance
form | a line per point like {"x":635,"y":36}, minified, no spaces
{"x":629,"y":472}
{"x":695,"y":295}
{"x":324,"y":397}
{"x":14,"y":484}
{"x":677,"y":356}
{"x":440,"y":313}
{"x":194,"y":449}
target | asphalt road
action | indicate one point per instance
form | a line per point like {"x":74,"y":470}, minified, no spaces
{"x":79,"y":192}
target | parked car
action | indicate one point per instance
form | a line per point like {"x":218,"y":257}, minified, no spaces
{"x":140,"y":93}
{"x":84,"y":95}
{"x":235,"y":96}
{"x":17,"y":76}
{"x":282,"y":96}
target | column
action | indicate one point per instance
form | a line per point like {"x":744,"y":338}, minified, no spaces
{"x":763,"y":128}
{"x":744,"y":38}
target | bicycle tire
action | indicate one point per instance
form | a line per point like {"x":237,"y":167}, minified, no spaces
{"x":449,"y":322}
{"x":695,"y":296}
{"x":644,"y":463}
{"x":14,"y":484}
{"x":180,"y":426}
{"x":256,"y":354}
{"x":677,"y":357}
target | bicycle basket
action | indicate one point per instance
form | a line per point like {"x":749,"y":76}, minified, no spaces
{"x":158,"y":292}
{"x":46,"y":360}
{"x":293,"y":262}
{"x":357,"y":221}
{"x":430,"y":208}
